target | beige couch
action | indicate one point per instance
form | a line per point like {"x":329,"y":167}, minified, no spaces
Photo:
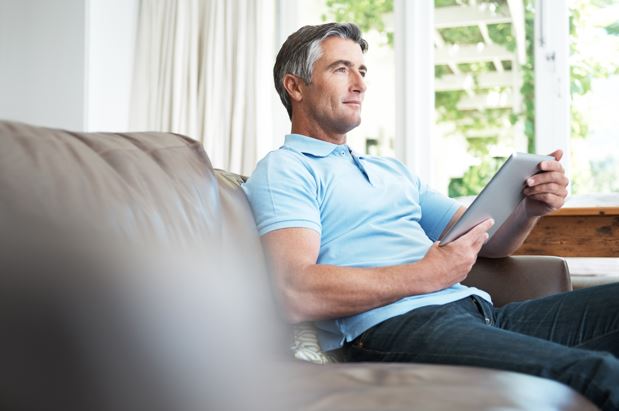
{"x":133,"y":279}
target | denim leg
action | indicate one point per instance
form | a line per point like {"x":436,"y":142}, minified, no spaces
{"x":587,"y":318}
{"x":464,"y":333}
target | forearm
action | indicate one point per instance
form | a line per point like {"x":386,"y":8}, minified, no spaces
{"x":510,"y":236}
{"x":311,"y":291}
{"x":321,"y":291}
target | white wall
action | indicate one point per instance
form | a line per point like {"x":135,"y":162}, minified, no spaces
{"x":112,"y":26}
{"x":42,"y":62}
{"x":67,"y":63}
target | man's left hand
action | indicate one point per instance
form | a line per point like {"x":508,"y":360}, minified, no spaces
{"x":546,"y":191}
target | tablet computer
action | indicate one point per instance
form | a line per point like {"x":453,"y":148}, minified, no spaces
{"x":500,"y":196}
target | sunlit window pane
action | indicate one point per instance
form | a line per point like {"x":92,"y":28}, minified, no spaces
{"x":480,"y":69}
{"x":594,"y":70}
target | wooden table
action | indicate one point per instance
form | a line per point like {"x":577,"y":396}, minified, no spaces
{"x":576,"y":232}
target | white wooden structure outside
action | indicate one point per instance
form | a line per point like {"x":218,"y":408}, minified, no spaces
{"x":418,"y":20}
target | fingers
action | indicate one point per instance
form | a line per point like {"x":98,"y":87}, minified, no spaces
{"x":552,"y":200}
{"x":551,"y":170}
{"x":479,"y":232}
{"x":551,"y":165}
{"x":557,"y":177}
{"x":549,"y":188}
{"x":479,"y":242}
{"x":484,"y":226}
{"x":557,"y":154}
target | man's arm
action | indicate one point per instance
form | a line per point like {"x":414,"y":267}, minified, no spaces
{"x":311,"y":291}
{"x":510,"y":236}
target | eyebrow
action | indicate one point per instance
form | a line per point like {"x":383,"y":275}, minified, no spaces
{"x":346,"y":63}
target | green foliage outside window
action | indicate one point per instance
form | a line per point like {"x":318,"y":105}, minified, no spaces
{"x":613,"y":29}
{"x":477,"y":176}
{"x":369,"y":14}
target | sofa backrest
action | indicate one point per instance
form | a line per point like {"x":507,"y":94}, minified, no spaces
{"x":132,"y":276}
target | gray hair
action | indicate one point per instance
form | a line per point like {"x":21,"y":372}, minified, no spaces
{"x":303,"y":48}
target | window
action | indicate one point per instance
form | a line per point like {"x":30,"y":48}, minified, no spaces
{"x":594,"y":70}
{"x":481,"y":70}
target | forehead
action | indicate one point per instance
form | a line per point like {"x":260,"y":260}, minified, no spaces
{"x":337,"y":48}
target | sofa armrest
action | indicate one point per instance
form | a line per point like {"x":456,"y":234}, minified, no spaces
{"x":520,"y":278}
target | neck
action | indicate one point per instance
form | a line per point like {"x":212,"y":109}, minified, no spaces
{"x":317,"y":134}
{"x":316,"y":131}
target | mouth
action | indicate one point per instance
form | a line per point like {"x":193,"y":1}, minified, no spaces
{"x":353,"y":103}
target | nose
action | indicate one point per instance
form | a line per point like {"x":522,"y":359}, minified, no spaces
{"x":358,"y":82}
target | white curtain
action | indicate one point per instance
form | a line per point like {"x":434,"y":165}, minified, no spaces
{"x":202,"y":70}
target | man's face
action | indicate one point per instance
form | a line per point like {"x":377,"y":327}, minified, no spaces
{"x":333,"y":99}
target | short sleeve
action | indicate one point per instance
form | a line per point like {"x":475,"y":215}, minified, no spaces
{"x":436,"y":210}
{"x":282,"y":193}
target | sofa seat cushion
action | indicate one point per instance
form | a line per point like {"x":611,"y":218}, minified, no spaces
{"x":396,"y":386}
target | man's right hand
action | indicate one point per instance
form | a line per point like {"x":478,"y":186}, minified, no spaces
{"x":453,"y":262}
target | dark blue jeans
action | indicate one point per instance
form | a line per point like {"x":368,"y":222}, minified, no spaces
{"x":570,"y":337}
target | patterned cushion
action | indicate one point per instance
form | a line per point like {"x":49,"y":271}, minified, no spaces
{"x":305,"y":335}
{"x":305,"y":345}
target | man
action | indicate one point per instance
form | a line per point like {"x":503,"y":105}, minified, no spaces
{"x":352,"y":243}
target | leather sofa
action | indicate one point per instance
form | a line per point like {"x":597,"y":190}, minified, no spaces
{"x":132,"y":278}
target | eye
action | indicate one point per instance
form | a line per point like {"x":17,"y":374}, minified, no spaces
{"x":341,"y":69}
{"x":363,"y":73}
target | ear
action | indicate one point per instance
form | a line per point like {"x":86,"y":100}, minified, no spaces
{"x":294,"y":87}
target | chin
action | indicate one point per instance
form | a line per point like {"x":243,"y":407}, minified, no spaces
{"x":344,"y":124}
{"x":355,"y":123}
{"x":345,"y":127}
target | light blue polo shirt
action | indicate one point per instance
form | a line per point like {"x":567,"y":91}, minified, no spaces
{"x":369,"y":211}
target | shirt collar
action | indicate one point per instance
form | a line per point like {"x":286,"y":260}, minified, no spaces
{"x":309,"y":145}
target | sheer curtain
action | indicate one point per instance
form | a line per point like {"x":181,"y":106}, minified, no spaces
{"x":202,"y":69}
